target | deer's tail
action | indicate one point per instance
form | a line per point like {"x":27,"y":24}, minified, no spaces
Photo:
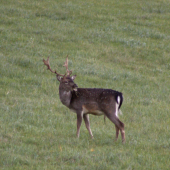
{"x":119,"y":99}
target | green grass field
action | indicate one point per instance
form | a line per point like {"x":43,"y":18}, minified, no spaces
{"x":122,"y":45}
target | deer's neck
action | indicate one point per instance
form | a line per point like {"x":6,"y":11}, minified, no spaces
{"x":65,"y":96}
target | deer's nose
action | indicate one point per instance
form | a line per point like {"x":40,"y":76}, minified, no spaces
{"x":75,"y":87}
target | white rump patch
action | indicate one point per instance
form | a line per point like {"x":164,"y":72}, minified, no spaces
{"x":117,"y":105}
{"x":118,"y":111}
{"x":118,"y":99}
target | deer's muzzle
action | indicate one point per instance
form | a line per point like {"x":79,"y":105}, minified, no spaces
{"x":75,"y":87}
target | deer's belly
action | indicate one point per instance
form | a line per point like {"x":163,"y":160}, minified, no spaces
{"x":92,"y":109}
{"x":96,"y":112}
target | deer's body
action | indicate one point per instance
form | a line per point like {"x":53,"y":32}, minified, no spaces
{"x":91,"y":101}
{"x":85,"y":101}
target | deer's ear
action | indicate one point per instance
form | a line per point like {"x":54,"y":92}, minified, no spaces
{"x":59,"y":78}
{"x":73,"y":77}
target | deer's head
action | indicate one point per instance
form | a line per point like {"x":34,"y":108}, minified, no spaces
{"x":66,"y":80}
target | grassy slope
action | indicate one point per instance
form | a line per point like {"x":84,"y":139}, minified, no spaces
{"x":122,"y":45}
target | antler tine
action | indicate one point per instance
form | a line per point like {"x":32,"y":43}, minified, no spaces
{"x":68,"y":72}
{"x":46,"y":62}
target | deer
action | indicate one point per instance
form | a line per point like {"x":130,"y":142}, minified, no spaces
{"x":85,"y":101}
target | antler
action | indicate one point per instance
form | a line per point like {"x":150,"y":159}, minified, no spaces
{"x":46,"y":62}
{"x":68,"y":72}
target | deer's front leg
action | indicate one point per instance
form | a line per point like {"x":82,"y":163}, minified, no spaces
{"x":79,"y":121}
{"x":87,"y":122}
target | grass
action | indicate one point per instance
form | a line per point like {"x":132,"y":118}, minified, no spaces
{"x":123,"y":45}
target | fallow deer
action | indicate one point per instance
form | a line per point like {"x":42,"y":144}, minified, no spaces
{"x":85,"y":101}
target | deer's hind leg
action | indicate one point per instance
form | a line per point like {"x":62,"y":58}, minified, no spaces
{"x":118,"y":124}
{"x":117,"y":133}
